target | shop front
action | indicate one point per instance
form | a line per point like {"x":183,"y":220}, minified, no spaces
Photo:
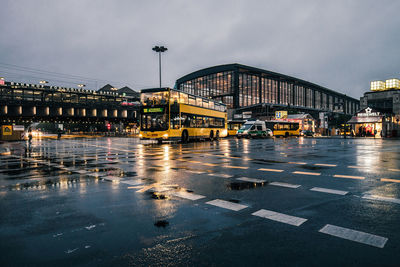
{"x":368,"y":123}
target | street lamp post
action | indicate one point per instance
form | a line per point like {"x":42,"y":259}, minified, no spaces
{"x":159,"y":50}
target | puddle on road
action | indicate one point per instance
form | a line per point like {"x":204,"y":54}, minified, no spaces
{"x":245,"y":185}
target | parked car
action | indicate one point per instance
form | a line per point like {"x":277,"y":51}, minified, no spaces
{"x":307,"y":133}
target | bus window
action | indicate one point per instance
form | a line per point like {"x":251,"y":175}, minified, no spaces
{"x":199,"y":102}
{"x":205,"y":103}
{"x":174,"y":97}
{"x":183,"y":98}
{"x":211,"y":105}
{"x":192,"y":100}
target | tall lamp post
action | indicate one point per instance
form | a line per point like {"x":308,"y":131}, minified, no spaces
{"x":159,"y":50}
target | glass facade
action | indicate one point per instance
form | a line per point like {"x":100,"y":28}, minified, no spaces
{"x":218,"y":86}
{"x":245,"y":86}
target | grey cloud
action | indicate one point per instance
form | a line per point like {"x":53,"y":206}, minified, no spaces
{"x":338,"y":44}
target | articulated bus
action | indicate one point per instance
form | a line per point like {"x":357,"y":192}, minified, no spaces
{"x":284,"y":128}
{"x":169,"y":114}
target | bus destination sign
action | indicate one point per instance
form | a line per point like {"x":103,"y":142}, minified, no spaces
{"x":152,"y":110}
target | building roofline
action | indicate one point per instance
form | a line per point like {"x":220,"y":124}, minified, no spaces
{"x":237,"y":66}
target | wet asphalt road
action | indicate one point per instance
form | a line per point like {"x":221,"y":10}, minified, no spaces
{"x":123,"y":202}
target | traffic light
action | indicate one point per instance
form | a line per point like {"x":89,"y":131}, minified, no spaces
{"x":108,"y":126}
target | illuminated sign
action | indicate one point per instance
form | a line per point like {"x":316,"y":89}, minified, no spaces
{"x":6,"y":129}
{"x":2,"y":82}
{"x":280,"y":114}
{"x":18,"y":128}
{"x":152,"y":110}
{"x":369,"y":113}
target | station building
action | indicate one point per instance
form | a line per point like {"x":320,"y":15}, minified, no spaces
{"x":246,"y":89}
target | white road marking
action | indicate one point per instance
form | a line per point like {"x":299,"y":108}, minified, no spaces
{"x":220,"y":175}
{"x":353,"y":235}
{"x":300,"y":163}
{"x":390,"y":180}
{"x":307,"y":173}
{"x":251,"y":180}
{"x":226,"y":204}
{"x":133,"y":183}
{"x":349,"y":176}
{"x":187,"y":195}
{"x":195,"y":172}
{"x":279,"y":217}
{"x":326,"y":165}
{"x":81,"y":171}
{"x":387,"y":199}
{"x":358,"y":167}
{"x":235,"y":167}
{"x":285,"y":185}
{"x":394,"y":170}
{"x":111,"y":178}
{"x":330,"y":191}
{"x":270,"y":170}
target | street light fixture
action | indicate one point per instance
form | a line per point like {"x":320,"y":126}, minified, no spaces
{"x":159,"y":50}
{"x":43,"y":82}
{"x":81,"y":85}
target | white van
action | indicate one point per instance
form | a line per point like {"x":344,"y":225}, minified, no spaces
{"x":254,"y":129}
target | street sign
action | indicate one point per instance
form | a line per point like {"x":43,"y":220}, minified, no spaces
{"x":6,"y":129}
{"x":281,"y":114}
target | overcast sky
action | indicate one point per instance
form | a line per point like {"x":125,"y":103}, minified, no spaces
{"x":341,"y":45}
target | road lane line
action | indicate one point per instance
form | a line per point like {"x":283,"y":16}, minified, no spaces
{"x":187,"y":195}
{"x":145,"y":188}
{"x":326,"y":165}
{"x":353,"y":235}
{"x":387,"y":199}
{"x":210,"y":164}
{"x":195,"y":171}
{"x":269,"y":170}
{"x":285,"y":185}
{"x":299,"y":163}
{"x":132,"y":182}
{"x":111,"y":178}
{"x":394,"y":170}
{"x":357,"y":167}
{"x":390,"y":180}
{"x":236,"y":167}
{"x":220,"y":175}
{"x":329,"y":191}
{"x":307,"y":173}
{"x":251,"y":180}
{"x":226,"y":204}
{"x":349,"y":176}
{"x":279,"y":217}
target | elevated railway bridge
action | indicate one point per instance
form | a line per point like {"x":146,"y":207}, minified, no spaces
{"x":23,"y":103}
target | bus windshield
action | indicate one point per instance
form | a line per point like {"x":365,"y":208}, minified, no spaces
{"x":155,"y":121}
{"x":154,"y":98}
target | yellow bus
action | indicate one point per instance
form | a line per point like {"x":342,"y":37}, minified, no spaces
{"x":234,"y":126}
{"x":169,"y":114}
{"x":284,"y":128}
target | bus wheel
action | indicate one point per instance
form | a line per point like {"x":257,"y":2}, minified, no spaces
{"x":185,"y":137}
{"x":211,"y":135}
{"x":217,"y":135}
{"x":286,"y":134}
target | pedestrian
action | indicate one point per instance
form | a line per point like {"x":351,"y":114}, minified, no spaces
{"x":59,"y":134}
{"x":30,"y":136}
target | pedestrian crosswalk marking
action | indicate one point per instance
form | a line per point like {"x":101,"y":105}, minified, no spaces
{"x":226,"y":204}
{"x":353,"y":235}
{"x":279,"y":217}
